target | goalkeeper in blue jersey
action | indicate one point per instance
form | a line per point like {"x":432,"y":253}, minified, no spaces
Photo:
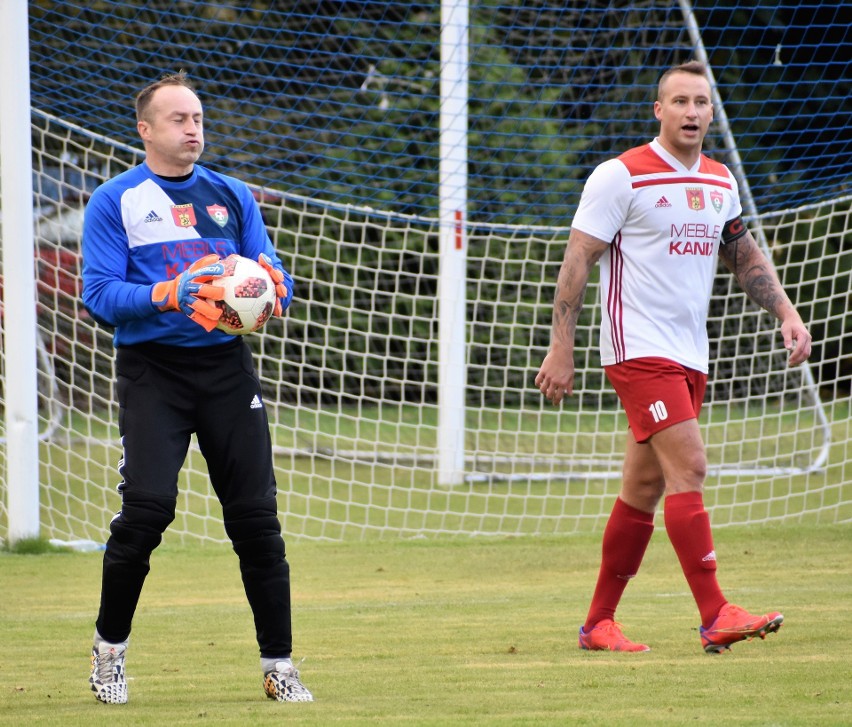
{"x":152,"y":240}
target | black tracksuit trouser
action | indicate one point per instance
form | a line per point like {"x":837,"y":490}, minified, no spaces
{"x":166,"y":394}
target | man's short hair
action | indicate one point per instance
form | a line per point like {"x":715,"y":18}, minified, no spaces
{"x":143,"y":98}
{"x":696,"y":68}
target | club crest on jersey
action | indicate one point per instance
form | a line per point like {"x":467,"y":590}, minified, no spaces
{"x":716,"y":199}
{"x":695,"y":198}
{"x":183,"y":215}
{"x":218,"y":213}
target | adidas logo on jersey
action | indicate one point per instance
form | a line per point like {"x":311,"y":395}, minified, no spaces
{"x":153,"y":217}
{"x":255,"y":403}
{"x":663,"y":202}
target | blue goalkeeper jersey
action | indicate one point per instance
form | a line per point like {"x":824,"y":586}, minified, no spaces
{"x":140,"y":229}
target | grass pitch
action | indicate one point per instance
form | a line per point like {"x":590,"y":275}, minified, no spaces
{"x":441,"y":632}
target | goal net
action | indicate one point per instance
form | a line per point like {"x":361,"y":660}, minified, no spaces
{"x":329,"y":111}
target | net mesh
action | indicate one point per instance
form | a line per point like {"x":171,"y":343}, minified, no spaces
{"x":330,"y":112}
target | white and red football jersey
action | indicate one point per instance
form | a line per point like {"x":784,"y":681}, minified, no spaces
{"x":664,"y":223}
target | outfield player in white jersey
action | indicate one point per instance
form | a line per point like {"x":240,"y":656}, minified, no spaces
{"x":152,"y":239}
{"x":657,"y":218}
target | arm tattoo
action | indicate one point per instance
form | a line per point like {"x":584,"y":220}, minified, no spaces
{"x":567,"y":307}
{"x":754,"y":273}
{"x":762,"y":288}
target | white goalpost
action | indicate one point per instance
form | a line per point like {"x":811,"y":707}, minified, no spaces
{"x":18,"y":313}
{"x":452,"y":213}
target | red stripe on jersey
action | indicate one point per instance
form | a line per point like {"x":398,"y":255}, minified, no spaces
{"x":711,"y":166}
{"x":682,"y":180}
{"x":614,"y":306}
{"x":644,"y":160}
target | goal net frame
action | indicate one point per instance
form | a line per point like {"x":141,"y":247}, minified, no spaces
{"x":353,"y":374}
{"x":528,"y":468}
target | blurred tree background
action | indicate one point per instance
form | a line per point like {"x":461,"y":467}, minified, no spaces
{"x":339,"y":102}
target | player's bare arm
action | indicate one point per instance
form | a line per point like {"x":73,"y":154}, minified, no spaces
{"x":555,"y":378}
{"x":757,"y":277}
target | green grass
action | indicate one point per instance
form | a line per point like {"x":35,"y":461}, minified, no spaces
{"x":342,"y":498}
{"x":440,"y":632}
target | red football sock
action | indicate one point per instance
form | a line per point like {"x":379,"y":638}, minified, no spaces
{"x":688,"y":528}
{"x":626,"y":536}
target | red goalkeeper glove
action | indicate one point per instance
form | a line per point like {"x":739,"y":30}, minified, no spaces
{"x":190,"y":293}
{"x":277,"y":276}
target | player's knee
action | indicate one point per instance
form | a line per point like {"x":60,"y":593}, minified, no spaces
{"x":695,"y":471}
{"x":254,"y":529}
{"x":140,"y":525}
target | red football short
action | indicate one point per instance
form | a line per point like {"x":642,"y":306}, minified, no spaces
{"x":656,"y":393}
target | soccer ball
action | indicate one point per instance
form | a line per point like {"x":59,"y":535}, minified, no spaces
{"x":249,"y":296}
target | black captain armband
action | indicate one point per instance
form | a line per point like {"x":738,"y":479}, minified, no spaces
{"x":733,"y":230}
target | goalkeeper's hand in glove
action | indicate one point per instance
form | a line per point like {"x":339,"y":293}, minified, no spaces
{"x":190,"y":293}
{"x":277,"y":276}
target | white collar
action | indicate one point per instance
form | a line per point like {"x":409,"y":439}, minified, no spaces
{"x":671,"y":159}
